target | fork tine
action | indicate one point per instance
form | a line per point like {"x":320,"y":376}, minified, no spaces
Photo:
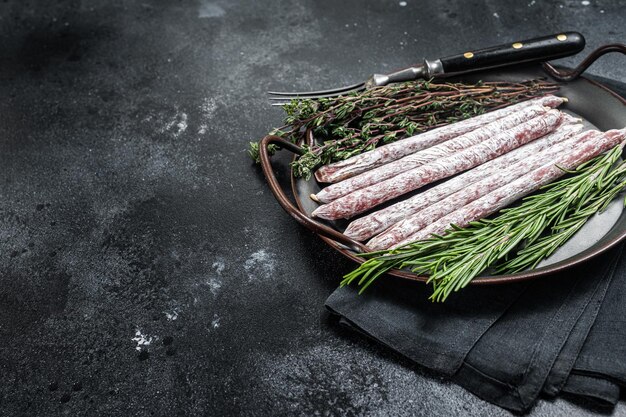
{"x":281,"y":100}
{"x":288,"y":98}
{"x":280,"y":95}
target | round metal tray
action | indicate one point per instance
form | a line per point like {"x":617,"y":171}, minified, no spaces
{"x":596,"y":104}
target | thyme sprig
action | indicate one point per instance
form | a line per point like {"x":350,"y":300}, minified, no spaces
{"x":348,"y":125}
{"x":518,"y":238}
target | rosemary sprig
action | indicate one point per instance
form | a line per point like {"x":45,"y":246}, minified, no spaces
{"x":352,"y":124}
{"x":518,"y":238}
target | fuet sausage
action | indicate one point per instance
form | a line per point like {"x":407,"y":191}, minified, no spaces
{"x":423,"y":218}
{"x":366,"y":198}
{"x":365,"y":227}
{"x":450,"y":147}
{"x":530,"y":182}
{"x":341,"y":170}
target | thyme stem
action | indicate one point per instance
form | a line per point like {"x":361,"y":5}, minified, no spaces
{"x":348,"y":125}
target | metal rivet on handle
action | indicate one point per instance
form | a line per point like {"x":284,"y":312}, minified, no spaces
{"x":517,"y":45}
{"x":562,"y":37}
{"x":468,"y":55}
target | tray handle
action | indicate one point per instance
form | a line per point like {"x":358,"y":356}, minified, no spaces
{"x":562,"y":75}
{"x":287,"y":205}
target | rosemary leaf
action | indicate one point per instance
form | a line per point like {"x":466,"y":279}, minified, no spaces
{"x":516,"y":239}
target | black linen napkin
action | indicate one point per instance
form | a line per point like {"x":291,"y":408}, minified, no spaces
{"x":508,"y":344}
{"x":532,"y":347}
{"x":601,"y":363}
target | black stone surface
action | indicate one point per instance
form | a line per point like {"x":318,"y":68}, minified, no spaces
{"x":145,"y":267}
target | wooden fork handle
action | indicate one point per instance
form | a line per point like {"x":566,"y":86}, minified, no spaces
{"x":533,"y":50}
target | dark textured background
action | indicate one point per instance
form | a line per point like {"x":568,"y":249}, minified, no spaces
{"x":145,"y":268}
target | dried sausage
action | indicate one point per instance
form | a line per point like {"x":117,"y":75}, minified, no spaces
{"x":341,"y":170}
{"x":450,"y":147}
{"x":366,"y":198}
{"x":365,"y":227}
{"x":530,"y":182}
{"x":423,"y":218}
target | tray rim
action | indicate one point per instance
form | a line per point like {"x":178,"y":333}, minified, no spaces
{"x":547,"y":270}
